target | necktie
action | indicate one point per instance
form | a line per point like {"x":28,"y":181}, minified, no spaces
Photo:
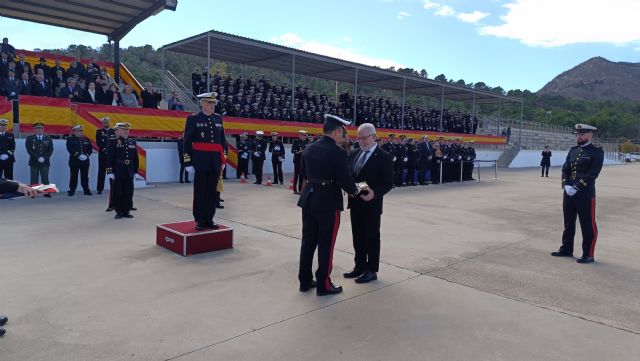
{"x":361,"y":161}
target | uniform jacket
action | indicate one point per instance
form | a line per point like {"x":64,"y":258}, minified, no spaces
{"x":8,"y":146}
{"x":582,"y":167}
{"x":37,"y":149}
{"x":259,"y":147}
{"x":122,"y":157}
{"x":76,"y":147}
{"x":203,"y":129}
{"x":277,"y":150}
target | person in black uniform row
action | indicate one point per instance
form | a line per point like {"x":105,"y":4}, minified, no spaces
{"x":327,"y":172}
{"x":579,"y":173}
{"x":412,"y":161}
{"x":276,"y":147}
{"x":545,"y":163}
{"x":400,"y":160}
{"x":184,"y":175}
{"x":7,"y":150}
{"x":80,"y":149}
{"x":103,"y":135}
{"x":204,"y":145}
{"x":374,"y":166}
{"x":469,"y":158}
{"x":425,"y":155}
{"x":244,"y":153}
{"x":297,"y":148}
{"x":122,"y":166}
{"x":258,"y":151}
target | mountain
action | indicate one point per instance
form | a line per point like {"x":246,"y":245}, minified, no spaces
{"x":597,"y":79}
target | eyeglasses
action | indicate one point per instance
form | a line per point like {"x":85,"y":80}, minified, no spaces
{"x":365,"y":137}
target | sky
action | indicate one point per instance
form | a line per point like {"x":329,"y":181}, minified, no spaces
{"x":516,"y":44}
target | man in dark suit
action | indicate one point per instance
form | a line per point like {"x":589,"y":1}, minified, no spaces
{"x":23,"y":66}
{"x":11,"y":85}
{"x":25,"y":84}
{"x":372,"y":165}
{"x":40,"y":87}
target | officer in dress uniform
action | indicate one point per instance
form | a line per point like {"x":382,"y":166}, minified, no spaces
{"x":204,"y":145}
{"x":425,"y":155}
{"x":122,"y":166}
{"x":183,"y":176}
{"x":412,"y":161}
{"x":79,"y":148}
{"x":400,"y":161}
{"x":40,"y":148}
{"x":579,"y":173}
{"x":244,"y":153}
{"x":103,"y":135}
{"x":327,"y":172}
{"x":297,"y":148}
{"x":469,"y":157}
{"x":7,"y":150}
{"x":276,"y":147}
{"x":389,"y":146}
{"x":258,"y":155}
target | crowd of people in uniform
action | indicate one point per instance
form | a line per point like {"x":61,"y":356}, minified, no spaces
{"x":262,"y":99}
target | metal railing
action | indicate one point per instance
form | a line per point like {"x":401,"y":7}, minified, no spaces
{"x":172,"y":84}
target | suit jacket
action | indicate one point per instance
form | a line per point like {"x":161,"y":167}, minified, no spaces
{"x":38,"y":90}
{"x":11,"y":87}
{"x":378,"y":173}
{"x":25,"y":89}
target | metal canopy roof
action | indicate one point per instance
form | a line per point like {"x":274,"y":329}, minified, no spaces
{"x":115,"y":18}
{"x":247,"y":51}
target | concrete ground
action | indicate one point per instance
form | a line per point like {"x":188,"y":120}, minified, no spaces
{"x":466,"y":275}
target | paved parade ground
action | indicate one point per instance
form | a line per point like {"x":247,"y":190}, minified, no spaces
{"x":466,"y":275}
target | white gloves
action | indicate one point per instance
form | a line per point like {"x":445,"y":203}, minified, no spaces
{"x":111,"y":176}
{"x":570,"y":190}
{"x":4,"y":157}
{"x":459,"y":157}
{"x":394,"y":159}
{"x":190,"y":170}
{"x":41,"y":160}
{"x":82,"y":157}
{"x":405,"y":159}
{"x":257,"y":154}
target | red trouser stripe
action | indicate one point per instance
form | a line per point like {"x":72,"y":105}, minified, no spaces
{"x":336,"y":225}
{"x":594,"y":228}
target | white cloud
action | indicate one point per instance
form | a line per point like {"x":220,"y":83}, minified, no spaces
{"x":549,"y":23}
{"x":473,"y":17}
{"x":402,"y":15}
{"x":346,"y":39}
{"x":312,"y":46}
{"x":430,"y":5}
{"x":445,"y":10}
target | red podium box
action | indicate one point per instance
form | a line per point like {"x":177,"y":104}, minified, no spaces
{"x":183,"y":239}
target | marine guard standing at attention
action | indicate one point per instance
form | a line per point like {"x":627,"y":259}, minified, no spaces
{"x":103,"y":135}
{"x":244,"y":153}
{"x":258,"y":155}
{"x":297,"y":148}
{"x":204,"y":145}
{"x":7,"y":150}
{"x":80,"y":149}
{"x":122,"y":167}
{"x":276,"y":147}
{"x":579,"y":173}
{"x":327,"y":170}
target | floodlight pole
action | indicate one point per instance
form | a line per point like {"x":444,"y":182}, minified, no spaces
{"x":520,"y":132}
{"x":208,"y":62}
{"x":293,"y":82}
{"x":355,"y":98}
{"x":116,"y":60}
{"x":163,"y":73}
{"x":499,"y":116}
{"x":404,"y":87}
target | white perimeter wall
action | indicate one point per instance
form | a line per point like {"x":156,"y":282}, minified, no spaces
{"x":531,"y":158}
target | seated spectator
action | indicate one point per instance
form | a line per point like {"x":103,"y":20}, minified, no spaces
{"x":114,"y":96}
{"x":25,"y":84}
{"x":11,"y":85}
{"x":7,"y":48}
{"x":23,"y":66}
{"x":57,"y":83}
{"x":174,"y":102}
{"x":91,"y":95}
{"x":53,"y":71}
{"x":102,"y":93}
{"x":129,"y":98}
{"x":150,"y":97}
{"x":43,"y":66}
{"x":71,"y":91}
{"x":41,"y":87}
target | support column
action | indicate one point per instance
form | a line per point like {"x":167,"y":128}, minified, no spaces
{"x":499,"y":117}
{"x":441,"y":109}
{"x":404,"y":87}
{"x":355,"y":98}
{"x":520,"y":132}
{"x":116,"y":61}
{"x":164,"y":95}
{"x":293,"y":82}
{"x":208,"y":63}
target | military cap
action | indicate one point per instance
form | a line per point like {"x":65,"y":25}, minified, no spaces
{"x":585,"y":128}
{"x":302,"y":131}
{"x":209,"y":97}
{"x":274,"y":133}
{"x":38,"y":125}
{"x":336,"y":119}
{"x":77,"y":127}
{"x":4,"y":121}
{"x":123,"y":126}
{"x":105,"y":119}
{"x":259,"y":132}
{"x":244,"y":134}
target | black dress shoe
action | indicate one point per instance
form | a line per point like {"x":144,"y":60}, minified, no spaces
{"x":221,"y":200}
{"x":212,"y":225}
{"x":200,"y":226}
{"x":331,"y":291}
{"x":88,"y":193}
{"x":127,"y":215}
{"x":5,"y":319}
{"x":585,"y":260}
{"x":181,"y":181}
{"x":70,"y":194}
{"x":99,"y":192}
{"x":118,"y":216}
{"x":134,"y":208}
{"x":353,"y":274}
{"x":367,"y":277}
{"x":109,"y":209}
{"x":562,"y":254}
{"x":220,"y":206}
{"x":47,"y":195}
{"x":2,"y":332}
{"x":307,"y":286}
{"x":187,"y":181}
